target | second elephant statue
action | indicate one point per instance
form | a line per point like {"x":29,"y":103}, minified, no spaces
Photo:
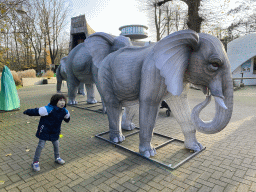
{"x":61,"y":75}
{"x":83,"y":60}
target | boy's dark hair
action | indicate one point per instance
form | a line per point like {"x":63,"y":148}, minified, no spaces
{"x":56,"y":97}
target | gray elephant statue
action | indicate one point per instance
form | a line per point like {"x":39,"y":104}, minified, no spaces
{"x":83,"y":60}
{"x":148,"y":75}
{"x":61,"y":75}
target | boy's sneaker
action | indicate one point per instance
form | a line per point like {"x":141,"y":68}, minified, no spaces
{"x":60,"y":161}
{"x":35,"y":166}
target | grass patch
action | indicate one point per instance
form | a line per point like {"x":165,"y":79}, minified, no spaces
{"x":18,"y":87}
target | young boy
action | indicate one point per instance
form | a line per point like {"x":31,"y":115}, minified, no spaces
{"x":49,"y":127}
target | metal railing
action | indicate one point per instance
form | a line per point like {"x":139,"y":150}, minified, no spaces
{"x":236,"y":78}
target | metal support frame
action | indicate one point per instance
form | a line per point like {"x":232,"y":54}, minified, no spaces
{"x":89,"y":108}
{"x":159,"y":146}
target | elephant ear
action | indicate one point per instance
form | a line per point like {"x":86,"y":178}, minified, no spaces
{"x":171,"y":56}
{"x":99,"y":46}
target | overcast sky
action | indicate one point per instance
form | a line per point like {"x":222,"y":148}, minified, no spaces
{"x":108,"y":15}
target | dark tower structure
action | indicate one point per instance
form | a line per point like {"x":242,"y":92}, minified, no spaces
{"x":79,"y":31}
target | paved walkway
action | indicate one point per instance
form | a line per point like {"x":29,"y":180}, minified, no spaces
{"x":227,"y":164}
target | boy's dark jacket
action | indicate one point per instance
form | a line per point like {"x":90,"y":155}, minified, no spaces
{"x":50,"y":122}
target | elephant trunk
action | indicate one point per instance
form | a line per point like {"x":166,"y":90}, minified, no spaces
{"x":223,"y":106}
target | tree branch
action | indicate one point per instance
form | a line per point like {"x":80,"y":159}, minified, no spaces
{"x":165,"y":1}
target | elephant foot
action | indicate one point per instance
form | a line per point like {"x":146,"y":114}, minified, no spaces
{"x":128,"y":126}
{"x":104,"y":110}
{"x":72,"y":102}
{"x":117,"y":138}
{"x":193,"y":145}
{"x":81,"y":93}
{"x":147,"y":150}
{"x":91,"y":101}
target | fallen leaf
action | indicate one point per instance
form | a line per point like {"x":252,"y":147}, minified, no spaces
{"x":72,"y":110}
{"x":1,"y":182}
{"x":8,"y":155}
{"x":28,"y":122}
{"x":27,"y":149}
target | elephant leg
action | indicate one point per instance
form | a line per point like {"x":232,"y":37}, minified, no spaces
{"x":114,"y":118}
{"x":90,"y":88}
{"x":148,"y":113}
{"x":59,"y":82}
{"x":104,"y":108}
{"x":127,"y":117}
{"x":73,"y":84}
{"x":81,"y":89}
{"x":180,"y":108}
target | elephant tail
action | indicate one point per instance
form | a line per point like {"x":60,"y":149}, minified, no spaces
{"x":58,"y":75}
{"x":59,"y":79}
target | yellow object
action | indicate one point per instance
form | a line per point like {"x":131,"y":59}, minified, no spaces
{"x":61,"y":135}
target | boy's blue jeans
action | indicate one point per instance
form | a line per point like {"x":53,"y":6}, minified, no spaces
{"x":41,"y":145}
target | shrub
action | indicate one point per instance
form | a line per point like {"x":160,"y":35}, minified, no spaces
{"x":48,"y":74}
{"x":27,"y":73}
{"x":16,"y":78}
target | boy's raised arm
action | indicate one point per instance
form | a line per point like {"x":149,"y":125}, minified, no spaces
{"x":32,"y":112}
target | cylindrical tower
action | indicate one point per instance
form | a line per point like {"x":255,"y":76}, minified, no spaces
{"x":134,"y":31}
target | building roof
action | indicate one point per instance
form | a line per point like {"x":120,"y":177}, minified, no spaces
{"x":135,"y":25}
{"x":241,"y":50}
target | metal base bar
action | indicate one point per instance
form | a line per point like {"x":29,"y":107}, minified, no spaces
{"x":150,"y":159}
{"x":89,"y":108}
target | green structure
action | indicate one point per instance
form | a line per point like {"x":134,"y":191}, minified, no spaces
{"x":9,"y":99}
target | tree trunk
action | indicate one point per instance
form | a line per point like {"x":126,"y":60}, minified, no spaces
{"x":194,"y":20}
{"x":156,"y":24}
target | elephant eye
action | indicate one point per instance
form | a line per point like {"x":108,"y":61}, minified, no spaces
{"x":214,"y":63}
{"x":213,"y":67}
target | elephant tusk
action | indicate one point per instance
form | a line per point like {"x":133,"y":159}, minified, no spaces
{"x":220,"y":102}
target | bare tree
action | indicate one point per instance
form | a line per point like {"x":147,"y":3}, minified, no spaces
{"x":34,"y":34}
{"x":194,"y":19}
{"x":156,"y":17}
{"x":163,"y":19}
{"x":9,"y":5}
{"x":8,"y":10}
{"x":176,"y":16}
{"x":53,"y":14}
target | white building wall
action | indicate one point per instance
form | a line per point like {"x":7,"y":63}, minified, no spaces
{"x":247,"y":70}
{"x":241,"y":51}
